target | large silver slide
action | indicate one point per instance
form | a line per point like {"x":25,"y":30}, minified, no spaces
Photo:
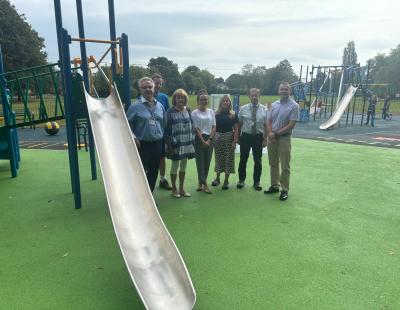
{"x":342,"y":106}
{"x":151,"y":256}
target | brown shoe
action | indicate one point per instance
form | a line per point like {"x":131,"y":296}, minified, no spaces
{"x":272,"y":190}
{"x":206,"y":190}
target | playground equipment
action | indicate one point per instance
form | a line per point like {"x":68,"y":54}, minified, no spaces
{"x":9,"y":148}
{"x":153,"y":261}
{"x":236,"y":103}
{"x":321,"y":94}
{"x":29,"y":96}
{"x":52,"y":128}
{"x":341,"y":107}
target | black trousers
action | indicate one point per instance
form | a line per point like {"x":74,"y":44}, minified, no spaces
{"x":253,"y":142}
{"x":150,"y":155}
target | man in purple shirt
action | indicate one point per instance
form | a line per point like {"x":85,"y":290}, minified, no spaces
{"x":163,"y":99}
{"x":281,"y":120}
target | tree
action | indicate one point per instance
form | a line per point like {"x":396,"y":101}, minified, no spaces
{"x":193,"y":70}
{"x":385,"y":69}
{"x":220,"y":86}
{"x":135,"y":74}
{"x":21,"y":45}
{"x":285,"y":71}
{"x":100,"y":82}
{"x":208,"y":80}
{"x":192,"y":82}
{"x":235,"y":83}
{"x":169,"y":71}
{"x":282,"y":72}
{"x":196,"y":79}
{"x":349,"y":55}
{"x":219,"y":80}
{"x":258,"y":77}
{"x":376,"y":63}
{"x":247,"y":70}
{"x":192,"y":78}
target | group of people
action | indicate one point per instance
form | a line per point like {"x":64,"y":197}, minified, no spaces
{"x":372,"y":102}
{"x":179,"y":134}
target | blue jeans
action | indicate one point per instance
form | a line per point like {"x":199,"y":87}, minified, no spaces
{"x":371,"y":114}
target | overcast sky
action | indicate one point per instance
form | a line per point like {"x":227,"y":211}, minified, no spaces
{"x":224,"y":35}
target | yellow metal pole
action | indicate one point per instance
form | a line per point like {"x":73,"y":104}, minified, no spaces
{"x":110,"y":79}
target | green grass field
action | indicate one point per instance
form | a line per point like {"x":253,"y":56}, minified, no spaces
{"x":335,"y":244}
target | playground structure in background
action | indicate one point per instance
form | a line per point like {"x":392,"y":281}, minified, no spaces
{"x":321,"y":93}
{"x":29,"y":96}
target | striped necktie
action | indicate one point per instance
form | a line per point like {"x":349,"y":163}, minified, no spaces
{"x":254,"y":109}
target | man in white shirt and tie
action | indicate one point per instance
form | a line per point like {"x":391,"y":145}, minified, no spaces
{"x":252,"y":131}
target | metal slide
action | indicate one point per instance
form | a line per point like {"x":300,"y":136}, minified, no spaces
{"x":151,"y":256}
{"x":342,"y":106}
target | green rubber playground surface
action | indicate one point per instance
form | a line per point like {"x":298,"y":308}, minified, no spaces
{"x":335,"y":244}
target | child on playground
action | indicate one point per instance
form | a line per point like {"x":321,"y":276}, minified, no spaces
{"x":371,"y":110}
{"x":318,"y":107}
{"x":385,"y":110}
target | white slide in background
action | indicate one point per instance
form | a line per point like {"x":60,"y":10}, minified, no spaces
{"x":151,"y":256}
{"x":342,"y":106}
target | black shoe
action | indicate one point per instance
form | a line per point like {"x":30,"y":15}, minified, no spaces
{"x":165,"y":185}
{"x":283,"y":196}
{"x":257,"y":187}
{"x":225,"y":186}
{"x":240,"y":184}
{"x":272,"y":190}
{"x":216,"y":182}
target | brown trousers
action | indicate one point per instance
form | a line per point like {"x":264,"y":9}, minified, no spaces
{"x":279,"y":152}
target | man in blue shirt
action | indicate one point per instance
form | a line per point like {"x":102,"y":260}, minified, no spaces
{"x":163,"y":99}
{"x":147,"y":120}
{"x":281,"y":120}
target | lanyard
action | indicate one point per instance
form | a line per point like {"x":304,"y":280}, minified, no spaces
{"x":151,"y":110}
